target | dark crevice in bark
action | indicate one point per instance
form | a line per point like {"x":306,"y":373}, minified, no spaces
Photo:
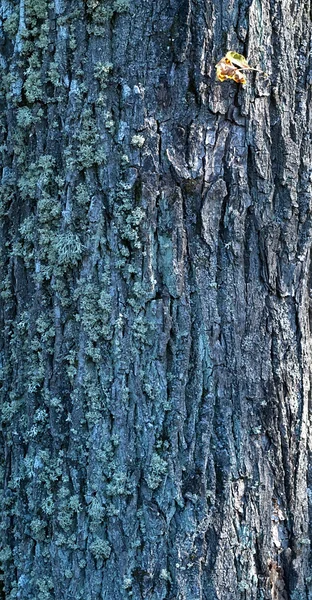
{"x":2,"y":592}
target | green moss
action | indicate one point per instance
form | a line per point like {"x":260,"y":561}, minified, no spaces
{"x":96,"y":511}
{"x":39,"y":174}
{"x":118,"y":484}
{"x":48,"y":505}
{"x":165,"y":575}
{"x":82,"y":195}
{"x":100,"y":548}
{"x":128,"y":218}
{"x":5,"y":554}
{"x":25,"y":117}
{"x":33,"y":83}
{"x":38,"y":527}
{"x":68,"y":573}
{"x":72,"y":362}
{"x":68,"y":249}
{"x":138,"y":141}
{"x":102,"y":13}
{"x":158,"y":468}
{"x":82,"y":563}
{"x":13,"y":594}
{"x":6,"y":288}
{"x":35,"y":10}
{"x":121,"y":5}
{"x":48,"y":209}
{"x":44,"y":586}
{"x":96,"y":398}
{"x":127,"y":583}
{"x":45,"y":327}
{"x":10,"y":25}
{"x":95,"y":310}
{"x":48,"y":240}
{"x":140,"y":329}
{"x":102,"y":71}
{"x":42,"y":40}
{"x":87,"y":151}
{"x":54,"y":74}
{"x":64,"y":519}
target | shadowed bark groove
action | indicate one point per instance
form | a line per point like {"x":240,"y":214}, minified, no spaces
{"x":155,"y":297}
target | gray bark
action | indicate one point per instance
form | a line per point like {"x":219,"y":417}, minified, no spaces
{"x":155,"y":268}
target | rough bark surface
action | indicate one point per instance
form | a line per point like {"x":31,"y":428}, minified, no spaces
{"x":155,"y":280}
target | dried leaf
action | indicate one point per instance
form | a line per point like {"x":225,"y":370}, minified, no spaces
{"x":231,"y":67}
{"x":225,"y":70}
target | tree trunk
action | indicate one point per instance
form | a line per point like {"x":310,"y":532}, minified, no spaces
{"x":155,"y":348}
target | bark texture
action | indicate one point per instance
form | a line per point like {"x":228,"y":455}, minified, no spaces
{"x":155,"y":284}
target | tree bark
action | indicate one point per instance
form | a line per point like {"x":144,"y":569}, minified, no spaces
{"x":155,"y":268}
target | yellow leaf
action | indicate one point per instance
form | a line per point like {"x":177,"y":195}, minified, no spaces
{"x":237,"y":59}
